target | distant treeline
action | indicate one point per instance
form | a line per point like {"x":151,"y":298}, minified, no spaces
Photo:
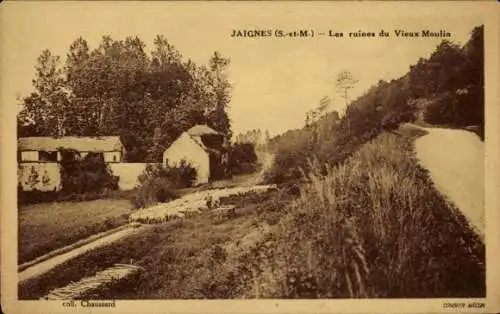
{"x":445,"y":89}
{"x":118,"y":89}
{"x":255,"y":136}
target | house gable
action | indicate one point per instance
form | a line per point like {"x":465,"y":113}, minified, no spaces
{"x":185,"y":148}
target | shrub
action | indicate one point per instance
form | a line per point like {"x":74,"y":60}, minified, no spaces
{"x":181,"y":176}
{"x":158,"y":183}
{"x":287,"y":168}
{"x":459,"y":109}
{"x":243,"y":158}
{"x":89,"y":175}
{"x":152,"y":191}
{"x":184,"y":175}
{"x":244,"y":168}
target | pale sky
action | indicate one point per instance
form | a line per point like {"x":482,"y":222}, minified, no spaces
{"x":276,"y":81}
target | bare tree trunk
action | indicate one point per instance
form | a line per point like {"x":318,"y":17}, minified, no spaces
{"x":347,"y":116}
{"x":60,"y":127}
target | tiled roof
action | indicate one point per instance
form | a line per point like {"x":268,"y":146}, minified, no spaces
{"x":201,"y":129}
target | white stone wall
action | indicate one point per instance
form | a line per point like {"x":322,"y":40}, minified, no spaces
{"x":112,"y":157}
{"x":29,"y":156}
{"x":48,"y":175}
{"x":128,"y":174}
{"x":44,"y":176}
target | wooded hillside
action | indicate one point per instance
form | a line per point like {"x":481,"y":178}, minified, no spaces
{"x":445,"y":89}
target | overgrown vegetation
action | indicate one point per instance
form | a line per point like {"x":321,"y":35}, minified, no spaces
{"x":82,"y":179}
{"x":374,"y":226}
{"x":451,"y":80}
{"x":243,"y":158}
{"x":331,"y":139}
{"x":158,"y":183}
{"x":90,"y":174}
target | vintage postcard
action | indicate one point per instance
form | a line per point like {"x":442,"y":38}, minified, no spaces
{"x":249,"y":157}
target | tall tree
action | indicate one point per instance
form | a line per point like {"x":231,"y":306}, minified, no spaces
{"x":76,"y":63}
{"x":46,"y":109}
{"x":324,"y":104}
{"x":217,"y":112}
{"x":473,"y":72}
{"x":83,"y":119}
{"x":345,"y":82}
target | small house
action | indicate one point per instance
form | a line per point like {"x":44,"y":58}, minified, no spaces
{"x":204,"y":149}
{"x":46,"y":149}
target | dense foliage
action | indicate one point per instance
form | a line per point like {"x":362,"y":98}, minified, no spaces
{"x":118,"y":89}
{"x":89,"y":174}
{"x":452,"y":82}
{"x":243,"y":158}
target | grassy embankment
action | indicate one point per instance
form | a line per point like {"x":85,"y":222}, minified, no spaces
{"x":374,"y":226}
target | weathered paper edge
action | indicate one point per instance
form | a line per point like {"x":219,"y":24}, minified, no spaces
{"x":488,"y":10}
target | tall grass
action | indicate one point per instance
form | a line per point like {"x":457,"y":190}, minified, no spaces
{"x":375,"y":226}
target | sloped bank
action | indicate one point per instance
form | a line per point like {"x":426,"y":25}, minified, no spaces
{"x":376,"y":227}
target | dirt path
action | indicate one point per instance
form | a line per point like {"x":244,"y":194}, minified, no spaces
{"x":265,"y":159}
{"x":455,"y":160}
{"x":45,"y":266}
{"x":240,"y":181}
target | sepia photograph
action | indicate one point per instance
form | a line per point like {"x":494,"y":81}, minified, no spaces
{"x":259,"y":151}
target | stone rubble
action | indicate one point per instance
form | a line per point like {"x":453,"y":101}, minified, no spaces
{"x":192,"y":203}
